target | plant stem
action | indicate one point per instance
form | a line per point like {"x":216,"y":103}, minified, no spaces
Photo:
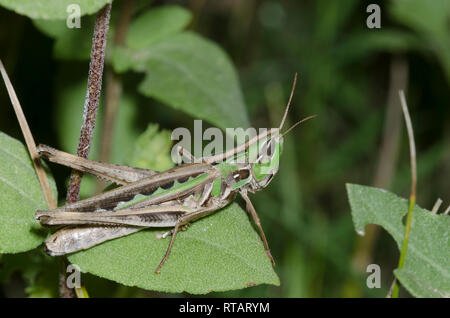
{"x":387,"y":158}
{"x":92,"y":96}
{"x":90,"y":112}
{"x":113,"y":89}
{"x":412,"y":198}
{"x":29,"y":140}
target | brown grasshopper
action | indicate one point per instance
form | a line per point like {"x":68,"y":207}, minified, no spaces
{"x":172,"y":198}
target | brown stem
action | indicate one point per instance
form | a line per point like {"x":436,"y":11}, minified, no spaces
{"x":387,"y":159}
{"x":64,"y":291}
{"x":92,"y":96}
{"x":90,"y":113}
{"x":113,"y":90}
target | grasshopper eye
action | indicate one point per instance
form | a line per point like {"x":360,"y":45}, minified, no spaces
{"x":270,"y":147}
{"x":267,"y":150}
{"x":241,"y":175}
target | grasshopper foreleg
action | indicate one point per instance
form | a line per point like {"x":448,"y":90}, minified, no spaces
{"x":252,"y":211}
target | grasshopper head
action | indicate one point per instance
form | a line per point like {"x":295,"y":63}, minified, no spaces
{"x":267,"y":163}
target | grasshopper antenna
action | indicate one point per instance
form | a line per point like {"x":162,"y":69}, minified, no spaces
{"x":289,"y":102}
{"x":297,"y":123}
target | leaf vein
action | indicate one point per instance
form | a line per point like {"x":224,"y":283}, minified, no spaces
{"x":18,"y":190}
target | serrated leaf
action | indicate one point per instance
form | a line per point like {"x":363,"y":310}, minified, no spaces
{"x":189,"y":73}
{"x":20,"y":196}
{"x":427,"y":268}
{"x":219,"y":252}
{"x":52,"y":9}
{"x":152,"y":150}
{"x":156,"y":24}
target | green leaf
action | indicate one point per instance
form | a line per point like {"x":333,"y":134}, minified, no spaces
{"x":20,"y":196}
{"x":216,"y":253}
{"x":430,"y":20}
{"x":427,"y":269}
{"x":188,"y":73}
{"x":52,"y":9}
{"x":75,"y":43}
{"x":156,"y":24}
{"x":152,"y":150}
{"x":362,"y":44}
{"x":428,"y":17}
{"x":70,"y":44}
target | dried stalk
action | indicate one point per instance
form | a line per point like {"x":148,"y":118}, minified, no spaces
{"x":92,"y":96}
{"x":113,"y":90}
{"x":29,"y":140}
{"x":90,"y":113}
{"x":387,"y":160}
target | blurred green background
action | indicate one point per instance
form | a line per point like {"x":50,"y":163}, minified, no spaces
{"x":349,"y":76}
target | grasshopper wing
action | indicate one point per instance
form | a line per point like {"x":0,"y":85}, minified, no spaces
{"x":156,"y":216}
{"x":171,"y":184}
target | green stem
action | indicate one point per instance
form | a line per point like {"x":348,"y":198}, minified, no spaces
{"x":412,"y":197}
{"x":401,"y":261}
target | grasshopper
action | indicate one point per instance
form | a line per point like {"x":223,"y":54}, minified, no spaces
{"x":172,"y":198}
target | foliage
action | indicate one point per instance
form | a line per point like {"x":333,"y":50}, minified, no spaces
{"x":175,"y":56}
{"x":152,"y":150}
{"x":21,"y":196}
{"x":52,"y":9}
{"x":426,"y":272}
